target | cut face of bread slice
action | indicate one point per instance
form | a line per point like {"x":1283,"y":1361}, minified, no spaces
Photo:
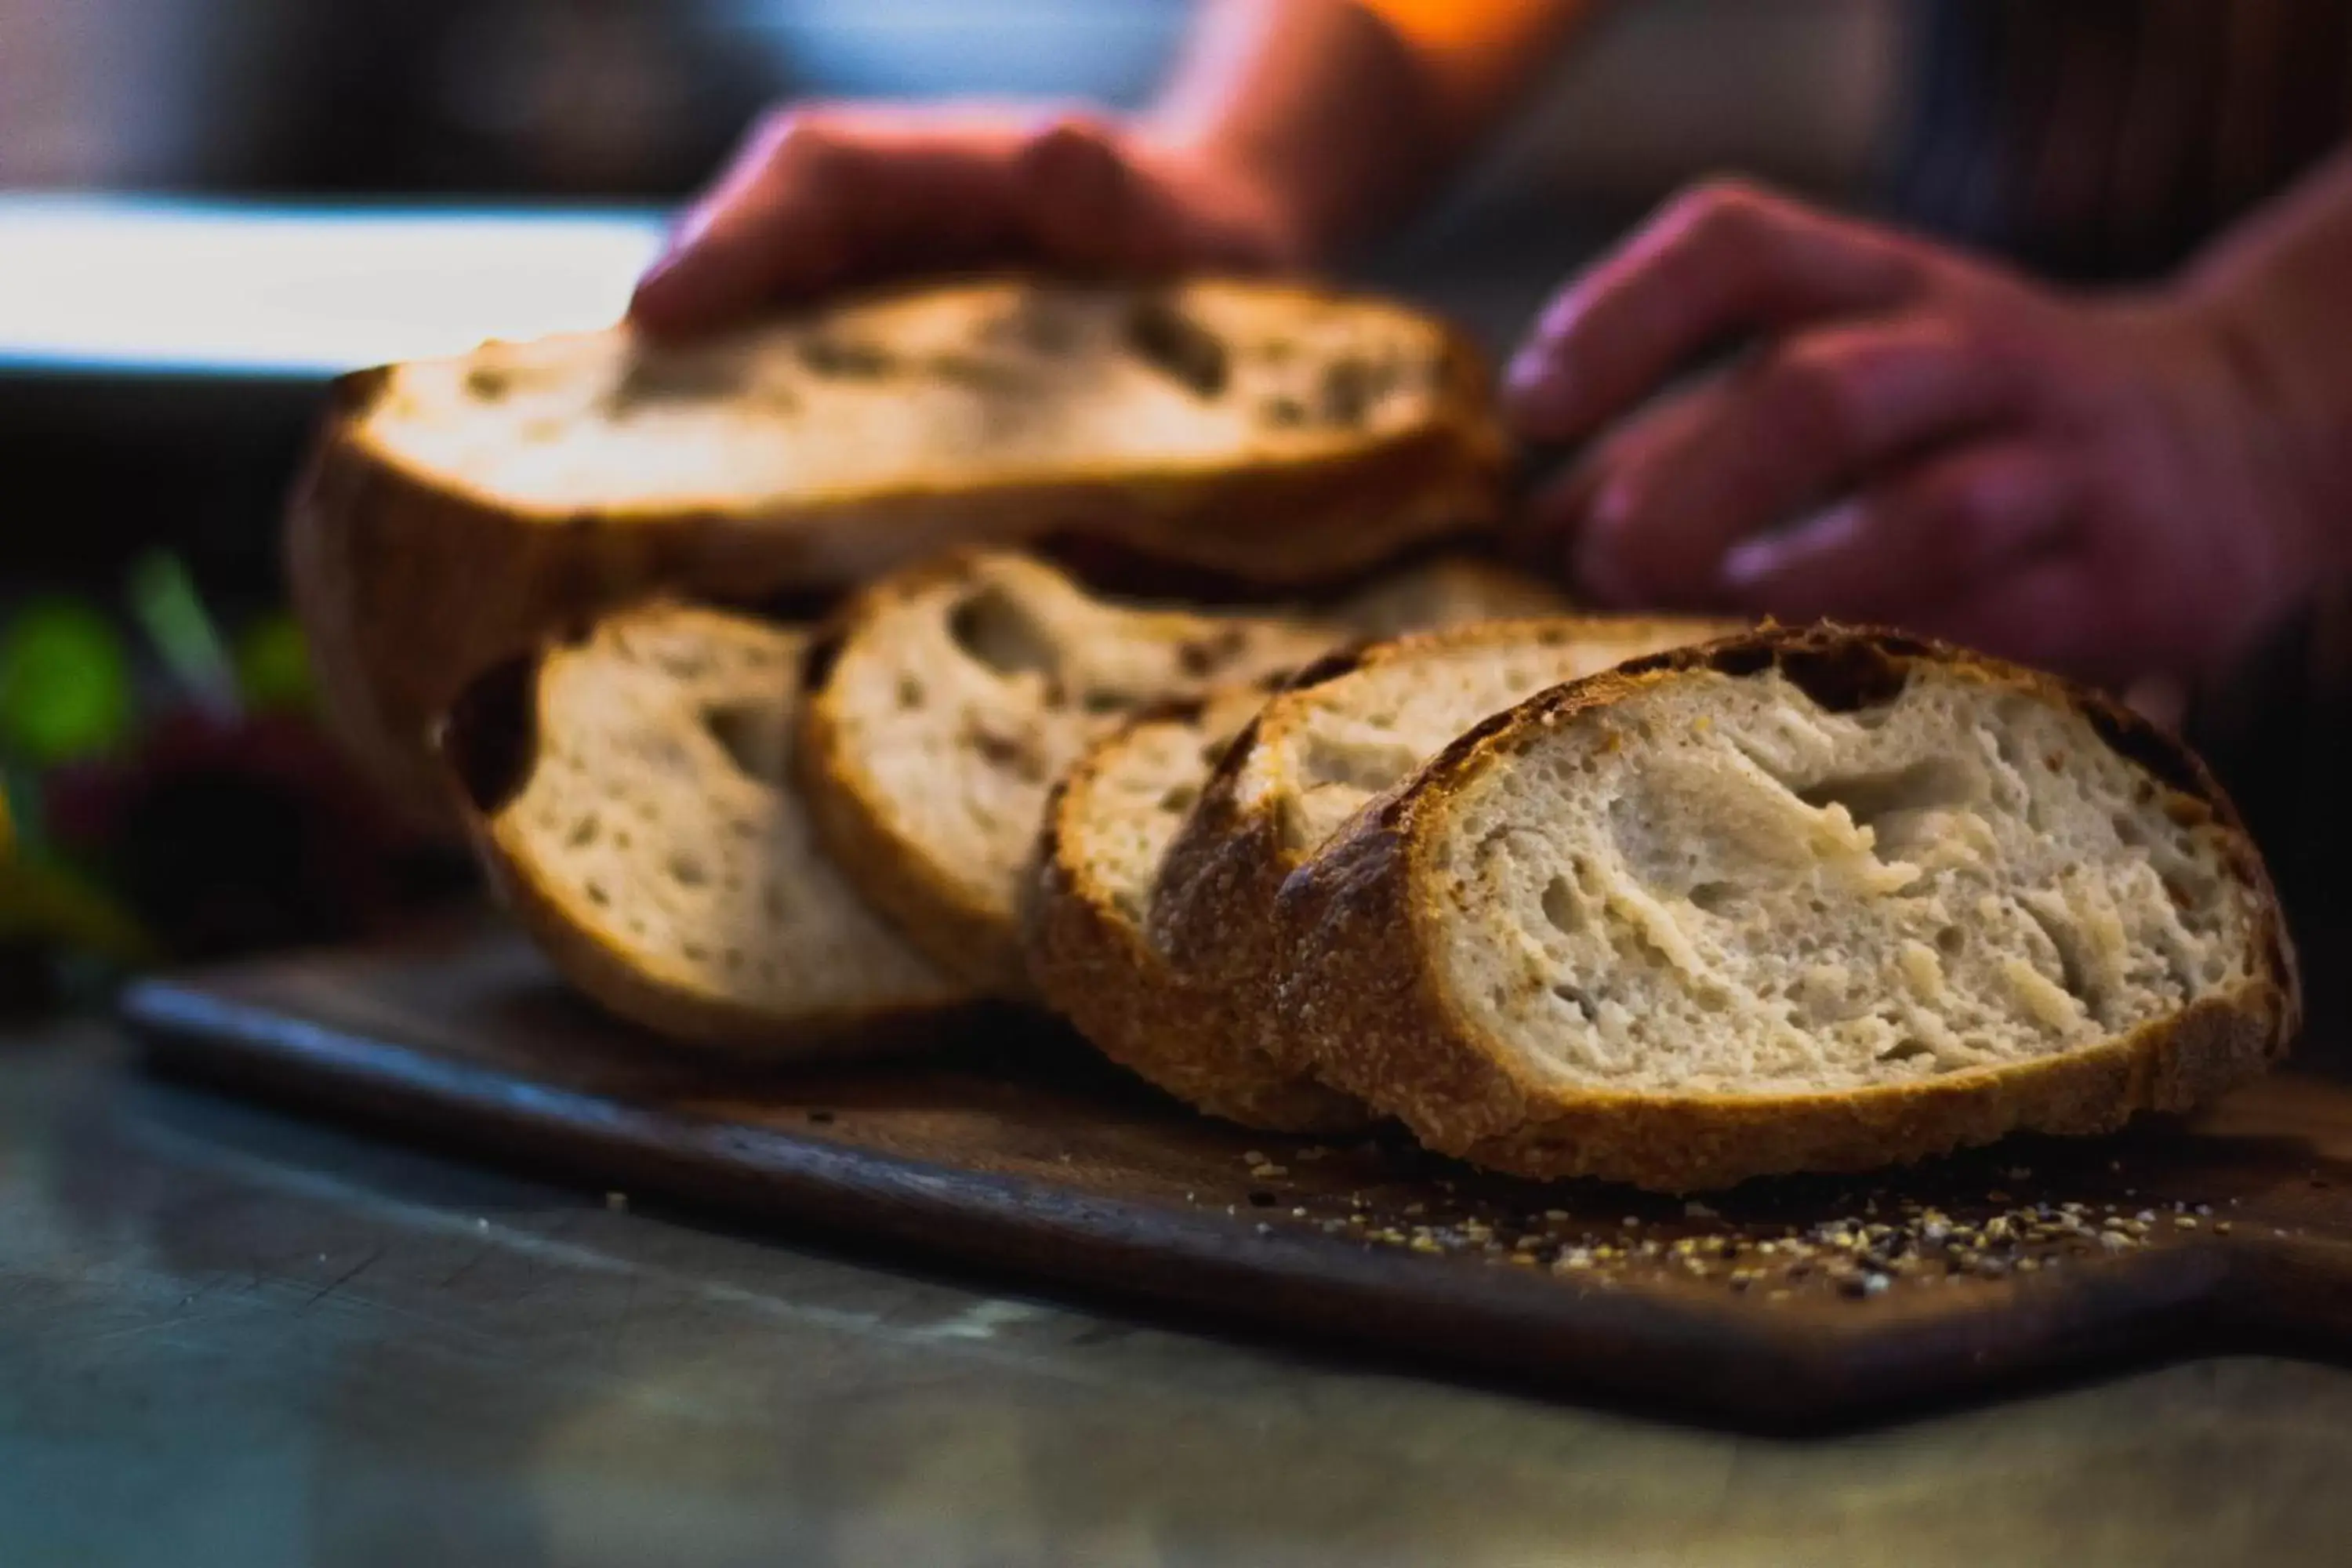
{"x":1347,"y":729}
{"x":1797,"y":901}
{"x":948,"y":701}
{"x":633,"y":811}
{"x":1108,"y":823}
{"x":455,"y":512}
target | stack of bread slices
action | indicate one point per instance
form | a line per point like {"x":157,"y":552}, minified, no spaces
{"x":1664,"y":901}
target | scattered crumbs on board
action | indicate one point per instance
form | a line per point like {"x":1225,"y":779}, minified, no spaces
{"x":1881,"y":1240}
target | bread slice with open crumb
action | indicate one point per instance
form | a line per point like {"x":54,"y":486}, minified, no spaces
{"x":949,"y":698}
{"x":632,"y":807}
{"x":1796,"y":901}
{"x":945,"y":701}
{"x":1109,"y":821}
{"x":1346,"y":729}
{"x":456,"y":510}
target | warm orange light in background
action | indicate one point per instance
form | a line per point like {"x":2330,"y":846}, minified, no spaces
{"x":1452,"y":24}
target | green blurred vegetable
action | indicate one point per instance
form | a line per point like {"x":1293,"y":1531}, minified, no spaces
{"x":64,"y":683}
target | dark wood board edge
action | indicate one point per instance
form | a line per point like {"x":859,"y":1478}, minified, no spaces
{"x":1692,"y":1359}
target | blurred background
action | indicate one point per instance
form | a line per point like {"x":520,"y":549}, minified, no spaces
{"x":145,"y":143}
{"x":600,"y":99}
{"x":209,"y":206}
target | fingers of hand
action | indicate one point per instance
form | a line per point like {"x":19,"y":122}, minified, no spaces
{"x":1925,"y":537}
{"x":1719,"y":261}
{"x":816,"y":195}
{"x":765,"y":224}
{"x":1678,"y":488}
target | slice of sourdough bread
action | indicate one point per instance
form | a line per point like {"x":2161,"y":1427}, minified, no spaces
{"x":1344,"y":730}
{"x":1107,"y":825}
{"x":1797,"y":901}
{"x":946,"y":700}
{"x":455,"y":512}
{"x":631,"y":808}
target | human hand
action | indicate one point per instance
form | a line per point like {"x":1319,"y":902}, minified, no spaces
{"x":1916,"y":436}
{"x":821,"y":197}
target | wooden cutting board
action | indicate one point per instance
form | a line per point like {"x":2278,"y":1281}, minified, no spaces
{"x":1784,"y":1304}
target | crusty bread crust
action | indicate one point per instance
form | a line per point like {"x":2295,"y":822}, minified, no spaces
{"x":1213,"y":910}
{"x":1097,"y":968}
{"x":1363,"y":994}
{"x":643,"y":987}
{"x":680,"y":1013}
{"x":407,"y":588}
{"x":935,"y":914}
{"x":973,"y":932}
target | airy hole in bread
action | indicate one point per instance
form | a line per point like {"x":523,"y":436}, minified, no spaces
{"x":1367,"y":763}
{"x":1179,"y":347}
{"x":673,"y":375}
{"x":845,"y":359}
{"x":1349,"y":387}
{"x":1014,"y":752}
{"x":994,"y":628}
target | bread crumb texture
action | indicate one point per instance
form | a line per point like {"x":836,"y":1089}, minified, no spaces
{"x":1141,"y":789}
{"x":657,"y":817}
{"x":992,"y":381}
{"x":1327,"y":749}
{"x":1717,"y":885}
{"x":959,"y":699}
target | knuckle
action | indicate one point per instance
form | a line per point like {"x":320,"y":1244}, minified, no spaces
{"x":1720,"y":210}
{"x":1069,"y":145}
{"x":1077,"y":127}
{"x":802,"y":143}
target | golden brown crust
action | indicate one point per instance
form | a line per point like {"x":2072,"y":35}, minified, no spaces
{"x":683,"y":1015}
{"x":1096,"y":968}
{"x":1212,"y":907}
{"x":408,"y":588}
{"x":674,"y":1007}
{"x":1213,"y":910}
{"x":1692,"y":1145}
{"x":1371,"y":1007}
